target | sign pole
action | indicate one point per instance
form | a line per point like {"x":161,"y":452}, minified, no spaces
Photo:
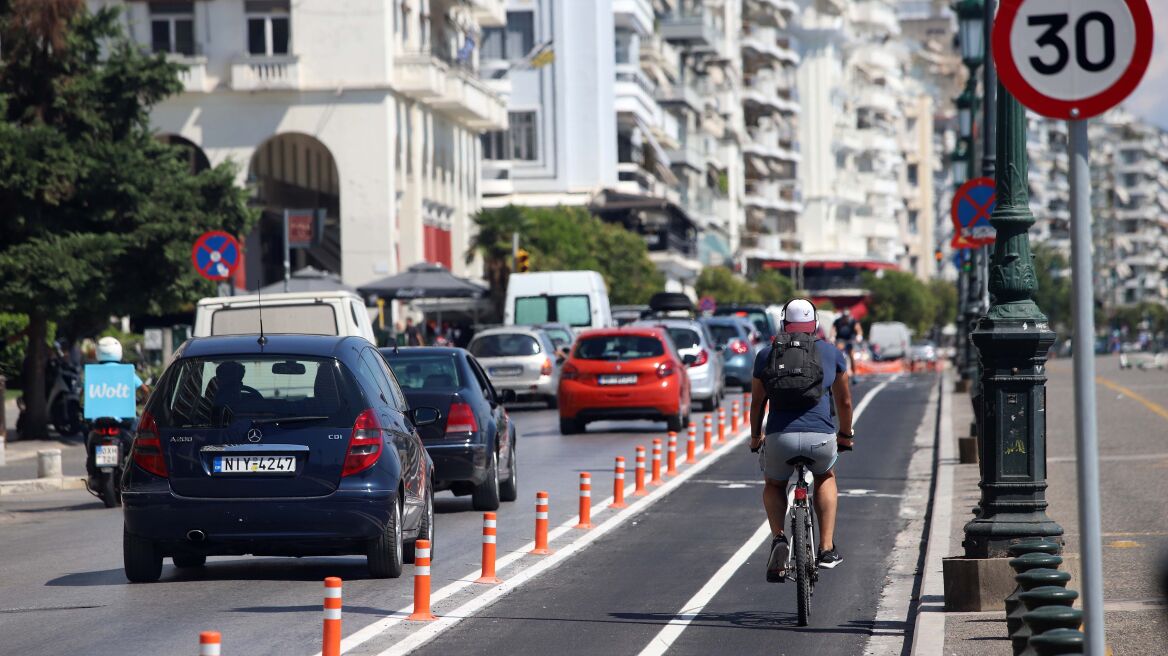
{"x":287,"y":254}
{"x":1087,"y":447}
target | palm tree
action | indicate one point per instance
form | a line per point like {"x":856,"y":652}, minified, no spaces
{"x":492,"y":241}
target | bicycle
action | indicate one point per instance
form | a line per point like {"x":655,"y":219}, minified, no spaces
{"x":804,"y":548}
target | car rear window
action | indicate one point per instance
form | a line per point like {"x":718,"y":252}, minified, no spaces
{"x":572,"y":310}
{"x":504,"y":345}
{"x":724,"y":334}
{"x":426,"y":372}
{"x":684,"y":338}
{"x":314,"y":319}
{"x":759,"y":319}
{"x":214,"y":392}
{"x":560,"y":337}
{"x":619,"y":347}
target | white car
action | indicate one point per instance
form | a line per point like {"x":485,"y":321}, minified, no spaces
{"x":693,"y":338}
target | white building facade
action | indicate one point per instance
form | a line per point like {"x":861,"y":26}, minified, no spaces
{"x":369,"y":110}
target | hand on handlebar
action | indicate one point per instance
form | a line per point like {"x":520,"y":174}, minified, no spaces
{"x":843,"y":444}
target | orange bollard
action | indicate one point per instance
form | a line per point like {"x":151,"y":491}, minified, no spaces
{"x":721,"y":425}
{"x":585,"y":501}
{"x":209,"y":642}
{"x":691,"y":444}
{"x":490,"y":534}
{"x":671,"y":459}
{"x":640,"y":490}
{"x":656,"y":480}
{"x":541,"y":524}
{"x":746,"y":408}
{"x":422,"y":583}
{"x":618,"y":484}
{"x":734,"y":417}
{"x":707,"y":434}
{"x":332,"y":617}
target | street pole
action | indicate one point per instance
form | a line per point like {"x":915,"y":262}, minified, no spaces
{"x":287,"y":254}
{"x":1087,"y":446}
{"x":1012,"y":341}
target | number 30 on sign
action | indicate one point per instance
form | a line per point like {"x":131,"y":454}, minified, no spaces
{"x":1072,"y":59}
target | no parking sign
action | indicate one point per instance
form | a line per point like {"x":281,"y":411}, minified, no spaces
{"x":972,"y":206}
{"x":216,"y":255}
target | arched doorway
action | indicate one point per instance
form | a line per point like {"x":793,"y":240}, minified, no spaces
{"x":194,"y":156}
{"x":293,"y":172}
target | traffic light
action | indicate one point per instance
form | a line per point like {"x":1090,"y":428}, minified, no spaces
{"x":522,"y":261}
{"x":938,"y":255}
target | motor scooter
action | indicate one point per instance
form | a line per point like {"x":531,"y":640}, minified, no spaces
{"x":62,"y":396}
{"x":107,"y":445}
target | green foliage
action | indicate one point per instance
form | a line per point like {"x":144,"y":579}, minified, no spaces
{"x":1054,"y":285}
{"x":723,"y":286}
{"x":13,"y":344}
{"x":944,"y":295}
{"x":492,"y":241}
{"x":89,"y":199}
{"x":774,"y":287}
{"x":899,"y":296}
{"x":1134,"y":316}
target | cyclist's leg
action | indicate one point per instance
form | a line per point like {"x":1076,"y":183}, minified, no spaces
{"x":777,"y":450}
{"x":821,"y":448}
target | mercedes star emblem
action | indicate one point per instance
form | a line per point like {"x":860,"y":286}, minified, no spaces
{"x":254,"y":435}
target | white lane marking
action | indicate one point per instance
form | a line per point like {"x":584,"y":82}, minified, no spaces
{"x":672,"y":631}
{"x":448,"y":619}
{"x":693,"y":608}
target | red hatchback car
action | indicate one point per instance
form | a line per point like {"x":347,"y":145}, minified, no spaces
{"x":623,"y":373}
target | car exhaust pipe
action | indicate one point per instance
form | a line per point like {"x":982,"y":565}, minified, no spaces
{"x":196,"y":535}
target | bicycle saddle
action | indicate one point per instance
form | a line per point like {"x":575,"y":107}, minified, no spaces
{"x":801,"y":460}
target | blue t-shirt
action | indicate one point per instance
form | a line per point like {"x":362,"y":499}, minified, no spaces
{"x":812,"y":420}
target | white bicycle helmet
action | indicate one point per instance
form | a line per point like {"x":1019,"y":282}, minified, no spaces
{"x":109,"y":349}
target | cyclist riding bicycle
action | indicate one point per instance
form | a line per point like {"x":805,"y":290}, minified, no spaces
{"x":846,"y":332}
{"x":800,"y":424}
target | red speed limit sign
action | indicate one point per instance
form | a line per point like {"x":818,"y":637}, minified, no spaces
{"x":1072,"y":59}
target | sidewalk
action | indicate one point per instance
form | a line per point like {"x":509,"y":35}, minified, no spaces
{"x":19,"y":473}
{"x":1135,"y":521}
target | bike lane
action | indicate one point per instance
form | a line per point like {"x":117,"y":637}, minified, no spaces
{"x":618,"y":595}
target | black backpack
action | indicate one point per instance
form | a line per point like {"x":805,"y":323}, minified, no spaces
{"x":793,"y":375}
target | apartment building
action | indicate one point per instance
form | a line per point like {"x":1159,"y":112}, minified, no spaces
{"x":366,"y":111}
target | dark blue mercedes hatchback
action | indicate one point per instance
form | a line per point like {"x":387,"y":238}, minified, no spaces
{"x":299,"y":446}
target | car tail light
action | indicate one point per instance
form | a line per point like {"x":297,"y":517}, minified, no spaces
{"x":461,"y":419}
{"x":738,"y":346}
{"x":546,"y":369}
{"x":569,"y":372}
{"x":665,"y":370}
{"x":703,"y":358}
{"x":147,"y":449}
{"x":364,"y":444}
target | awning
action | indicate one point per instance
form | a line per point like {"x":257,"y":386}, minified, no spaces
{"x":659,"y":156}
{"x":424,"y":280}
{"x":611,"y":202}
{"x":309,"y":279}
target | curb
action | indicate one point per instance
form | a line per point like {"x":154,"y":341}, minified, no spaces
{"x":929,"y":629}
{"x":39,"y":485}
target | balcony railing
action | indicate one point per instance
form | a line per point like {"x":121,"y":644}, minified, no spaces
{"x":265,"y":73}
{"x":694,"y":25}
{"x":194,"y":74}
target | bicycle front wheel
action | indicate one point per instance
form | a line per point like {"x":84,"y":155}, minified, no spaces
{"x":801,"y":534}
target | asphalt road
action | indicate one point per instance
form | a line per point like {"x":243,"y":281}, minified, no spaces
{"x":62,"y":589}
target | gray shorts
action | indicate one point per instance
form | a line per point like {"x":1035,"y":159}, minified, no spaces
{"x":778,"y":448}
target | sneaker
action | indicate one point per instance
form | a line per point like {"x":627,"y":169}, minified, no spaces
{"x":777,"y":564}
{"x":830,"y":558}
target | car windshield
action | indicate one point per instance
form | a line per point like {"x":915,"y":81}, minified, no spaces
{"x":724,"y":334}
{"x":560,"y":337}
{"x":619,"y":347}
{"x":428,"y":373}
{"x":504,"y":345}
{"x":214,"y":392}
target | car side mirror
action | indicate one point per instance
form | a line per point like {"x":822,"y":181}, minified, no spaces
{"x":688,"y":360}
{"x":507,"y":396}
{"x":425,"y":416}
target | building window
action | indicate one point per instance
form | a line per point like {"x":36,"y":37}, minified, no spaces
{"x":497,"y":145}
{"x":624,"y":45}
{"x":524,"y":141}
{"x":913,"y":228}
{"x":913,"y":174}
{"x":172,"y":27}
{"x":512,"y":42}
{"x":268,"y":27}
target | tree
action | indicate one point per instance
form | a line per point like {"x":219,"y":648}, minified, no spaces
{"x":944,"y":295}
{"x":899,"y":296}
{"x":97,"y":217}
{"x":723,"y":286}
{"x":492,"y":240}
{"x":774,"y":287}
{"x":1054,"y":285}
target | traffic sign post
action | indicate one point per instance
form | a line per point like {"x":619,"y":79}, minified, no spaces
{"x":973,"y":204}
{"x":216,"y":255}
{"x":1075,"y":61}
{"x":707,"y":304}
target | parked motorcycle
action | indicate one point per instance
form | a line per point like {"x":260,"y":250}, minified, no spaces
{"x":62,"y":396}
{"x":107,"y":446}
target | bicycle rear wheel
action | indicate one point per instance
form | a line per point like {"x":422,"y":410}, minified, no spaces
{"x":800,"y":525}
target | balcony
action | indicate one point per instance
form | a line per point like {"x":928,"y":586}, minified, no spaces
{"x":876,"y":16}
{"x":877,"y":141}
{"x":194,"y":74}
{"x":687,"y":154}
{"x":635,"y":94}
{"x":496,"y":177}
{"x":764,"y":93}
{"x":420,"y":75}
{"x":766,"y":43}
{"x":275,"y":73}
{"x":489,"y":13}
{"x":634,"y":14}
{"x":657,"y":52}
{"x":681,"y":94}
{"x":693,"y":26}
{"x":468,"y":98}
{"x":1146,"y":213}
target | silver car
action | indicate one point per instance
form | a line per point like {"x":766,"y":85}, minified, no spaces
{"x":523,"y":360}
{"x":691,"y":337}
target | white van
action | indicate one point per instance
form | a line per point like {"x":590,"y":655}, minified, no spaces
{"x":302,"y":313}
{"x":576,"y":298}
{"x":889,"y":339}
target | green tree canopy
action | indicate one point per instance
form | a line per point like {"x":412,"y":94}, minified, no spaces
{"x":899,"y":296}
{"x":774,"y":287}
{"x":97,"y":217}
{"x":721,"y":284}
{"x":1053,"y":297}
{"x":944,"y":295}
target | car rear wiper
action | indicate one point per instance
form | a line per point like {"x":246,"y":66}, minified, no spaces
{"x":288,"y":420}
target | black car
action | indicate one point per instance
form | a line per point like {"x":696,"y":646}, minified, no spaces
{"x":302,"y":445}
{"x":473,"y":445}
